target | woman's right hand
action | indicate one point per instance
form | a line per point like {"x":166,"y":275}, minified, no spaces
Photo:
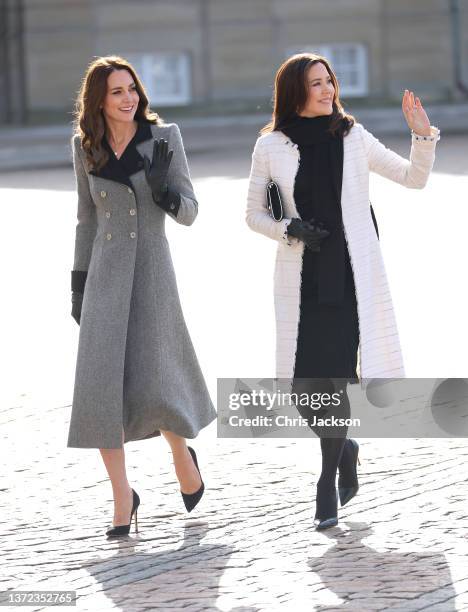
{"x":156,"y":170}
{"x":77,"y":301}
{"x":310,"y":232}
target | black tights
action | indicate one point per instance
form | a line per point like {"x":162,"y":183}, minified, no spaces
{"x":332,"y":438}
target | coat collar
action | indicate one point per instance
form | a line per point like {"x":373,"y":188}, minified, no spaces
{"x":131,"y":161}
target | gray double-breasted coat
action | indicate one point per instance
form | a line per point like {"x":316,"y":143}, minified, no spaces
{"x":136,"y":367}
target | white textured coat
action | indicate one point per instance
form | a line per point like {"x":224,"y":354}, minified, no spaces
{"x":276,"y":158}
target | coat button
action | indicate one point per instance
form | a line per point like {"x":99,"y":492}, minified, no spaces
{"x":103,"y":194}
{"x":132,"y":234}
{"x":109,"y":236}
{"x":172,"y":206}
{"x":107,"y":214}
{"x":132,"y":211}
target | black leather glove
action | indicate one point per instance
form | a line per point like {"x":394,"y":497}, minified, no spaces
{"x":156,"y":171}
{"x":310,"y":232}
{"x":77,"y":301}
{"x":78,"y":282}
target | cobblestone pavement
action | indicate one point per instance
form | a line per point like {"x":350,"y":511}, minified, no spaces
{"x":250,"y":545}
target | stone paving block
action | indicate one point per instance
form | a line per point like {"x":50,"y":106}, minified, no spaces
{"x":401,"y":543}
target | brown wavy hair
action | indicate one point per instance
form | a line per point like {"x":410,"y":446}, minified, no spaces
{"x":89,"y":121}
{"x":291,"y":92}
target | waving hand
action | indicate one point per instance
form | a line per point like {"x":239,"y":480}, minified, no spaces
{"x":415,"y":115}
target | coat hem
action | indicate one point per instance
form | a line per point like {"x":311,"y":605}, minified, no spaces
{"x":188,"y":434}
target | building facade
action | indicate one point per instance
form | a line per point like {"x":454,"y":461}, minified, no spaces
{"x":194,"y":53}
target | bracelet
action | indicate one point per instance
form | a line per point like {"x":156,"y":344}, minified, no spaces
{"x":429,"y":138}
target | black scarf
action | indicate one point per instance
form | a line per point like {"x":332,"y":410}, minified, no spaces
{"x":130,"y":162}
{"x":317,"y":193}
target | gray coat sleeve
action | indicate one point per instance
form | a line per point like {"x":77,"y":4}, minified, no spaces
{"x":179,"y":182}
{"x":86,"y":212}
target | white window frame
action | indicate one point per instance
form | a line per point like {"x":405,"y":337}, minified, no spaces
{"x":144,"y":64}
{"x":330,"y":51}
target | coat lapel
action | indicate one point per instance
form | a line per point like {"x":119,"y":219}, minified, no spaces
{"x":131,"y":161}
{"x":145,"y":146}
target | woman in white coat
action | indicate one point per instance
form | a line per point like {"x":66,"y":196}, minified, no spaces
{"x":331,"y":293}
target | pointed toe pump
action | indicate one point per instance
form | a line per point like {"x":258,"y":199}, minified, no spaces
{"x":348,"y":484}
{"x":122,"y":530}
{"x":326,"y":523}
{"x":192,"y":499}
{"x":326,"y":514}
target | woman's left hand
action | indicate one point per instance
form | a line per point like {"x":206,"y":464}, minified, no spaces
{"x":415,"y":114}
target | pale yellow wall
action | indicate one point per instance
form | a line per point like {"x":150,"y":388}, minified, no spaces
{"x":408,"y":42}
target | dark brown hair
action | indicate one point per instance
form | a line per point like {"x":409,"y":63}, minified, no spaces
{"x":291,"y":92}
{"x":89,"y":120}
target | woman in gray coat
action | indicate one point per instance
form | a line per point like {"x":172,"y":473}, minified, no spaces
{"x":137,"y":375}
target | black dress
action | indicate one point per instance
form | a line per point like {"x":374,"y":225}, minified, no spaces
{"x":328,"y":335}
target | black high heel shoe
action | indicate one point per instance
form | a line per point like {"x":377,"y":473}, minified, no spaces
{"x":192,"y":499}
{"x":348,"y":473}
{"x":326,"y":514}
{"x":121,"y":530}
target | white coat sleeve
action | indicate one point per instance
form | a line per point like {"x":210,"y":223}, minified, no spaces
{"x":412,"y":173}
{"x":257,"y":216}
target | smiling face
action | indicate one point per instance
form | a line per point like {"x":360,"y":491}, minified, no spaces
{"x":320,"y":90}
{"x":121,"y":100}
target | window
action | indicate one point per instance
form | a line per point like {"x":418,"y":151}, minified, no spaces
{"x":166,"y":77}
{"x":348,"y":60}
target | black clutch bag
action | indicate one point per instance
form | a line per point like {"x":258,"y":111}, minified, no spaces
{"x":274,"y":203}
{"x":374,"y":221}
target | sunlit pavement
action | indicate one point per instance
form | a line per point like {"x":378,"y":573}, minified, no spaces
{"x":250,"y":544}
